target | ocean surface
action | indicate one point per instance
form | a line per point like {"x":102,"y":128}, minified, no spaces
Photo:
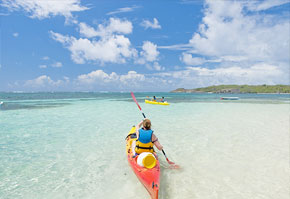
{"x":72,"y":145}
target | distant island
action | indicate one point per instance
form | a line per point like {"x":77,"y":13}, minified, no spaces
{"x":237,"y":89}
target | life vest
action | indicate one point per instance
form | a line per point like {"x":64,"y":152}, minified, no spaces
{"x":144,"y":142}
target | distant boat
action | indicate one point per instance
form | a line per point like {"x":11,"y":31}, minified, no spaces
{"x":230,"y":98}
{"x":1,"y":103}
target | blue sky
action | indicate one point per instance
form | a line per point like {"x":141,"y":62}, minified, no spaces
{"x":106,"y":45}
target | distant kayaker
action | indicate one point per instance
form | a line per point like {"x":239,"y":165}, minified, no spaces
{"x":162,"y":99}
{"x":145,"y":138}
{"x":154,"y":99}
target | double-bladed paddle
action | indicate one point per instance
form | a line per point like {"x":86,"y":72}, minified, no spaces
{"x":170,"y":162}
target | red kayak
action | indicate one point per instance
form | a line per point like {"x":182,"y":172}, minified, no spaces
{"x":150,"y":178}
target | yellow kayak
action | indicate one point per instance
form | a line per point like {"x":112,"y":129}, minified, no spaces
{"x":158,"y":103}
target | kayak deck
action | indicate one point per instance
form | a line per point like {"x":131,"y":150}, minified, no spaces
{"x":158,"y":103}
{"x":150,"y":178}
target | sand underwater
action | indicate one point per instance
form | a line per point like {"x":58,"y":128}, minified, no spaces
{"x":72,"y":145}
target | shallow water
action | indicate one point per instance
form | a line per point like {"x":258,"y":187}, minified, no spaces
{"x":71,"y":145}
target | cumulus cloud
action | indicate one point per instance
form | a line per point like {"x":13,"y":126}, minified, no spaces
{"x":149,"y":53}
{"x":193,"y":77}
{"x":44,"y":82}
{"x":100,"y":77}
{"x":190,"y":77}
{"x":101,"y":80}
{"x":114,"y":25}
{"x":123,"y":10}
{"x":226,"y":31}
{"x":16,"y":34}
{"x":234,"y":47}
{"x":148,"y":24}
{"x":132,"y":78}
{"x":189,"y":60}
{"x":107,"y":43}
{"x":97,"y":76}
{"x":44,"y":9}
{"x":111,"y":46}
{"x":114,"y":49}
{"x":87,"y":31}
{"x":228,"y":36}
{"x":155,"y":66}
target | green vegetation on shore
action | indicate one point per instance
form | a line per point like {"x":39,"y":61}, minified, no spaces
{"x":237,"y":89}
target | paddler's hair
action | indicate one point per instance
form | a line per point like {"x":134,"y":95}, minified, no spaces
{"x":147,"y":124}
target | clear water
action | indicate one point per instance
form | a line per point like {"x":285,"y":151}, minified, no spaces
{"x":71,"y":145}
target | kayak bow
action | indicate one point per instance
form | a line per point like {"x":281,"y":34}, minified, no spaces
{"x":150,"y":178}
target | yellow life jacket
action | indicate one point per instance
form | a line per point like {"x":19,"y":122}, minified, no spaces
{"x":144,"y":142}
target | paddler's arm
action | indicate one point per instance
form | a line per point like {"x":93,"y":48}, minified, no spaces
{"x":138,"y":127}
{"x":156,"y":142}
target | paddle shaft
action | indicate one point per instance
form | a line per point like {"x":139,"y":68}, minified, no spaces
{"x":165,"y":155}
{"x":133,"y":96}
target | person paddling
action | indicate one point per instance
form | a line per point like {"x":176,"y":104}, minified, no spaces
{"x":145,"y":139}
{"x":154,"y":99}
{"x":162,"y":99}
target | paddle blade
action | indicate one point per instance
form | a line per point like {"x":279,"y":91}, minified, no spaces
{"x":172,"y":165}
{"x":175,"y":166}
{"x":133,"y":96}
{"x":169,"y":161}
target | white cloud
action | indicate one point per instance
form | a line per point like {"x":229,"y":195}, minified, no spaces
{"x":148,"y":24}
{"x":264,"y":5}
{"x":44,"y":82}
{"x":112,"y":46}
{"x":45,"y":58}
{"x":115,"y":49}
{"x":61,"y":38}
{"x":113,"y":26}
{"x":123,"y":10}
{"x":16,"y":34}
{"x":241,"y":48}
{"x":131,"y":78}
{"x":44,"y":9}
{"x":229,"y":36}
{"x":155,"y":66}
{"x":87,"y":31}
{"x":149,"y":53}
{"x":43,"y":66}
{"x":191,"y":77}
{"x":57,"y":65}
{"x":192,"y":61}
{"x":227,"y":31}
{"x":98,"y":76}
{"x":200,"y":76}
{"x":99,"y":80}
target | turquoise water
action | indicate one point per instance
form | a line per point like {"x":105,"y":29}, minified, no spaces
{"x":71,"y":145}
